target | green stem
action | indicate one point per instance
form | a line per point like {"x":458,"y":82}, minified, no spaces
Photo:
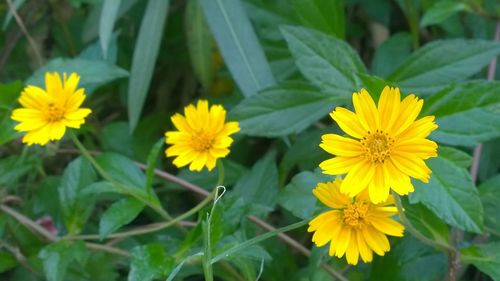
{"x":409,"y":226}
{"x":221,"y":173}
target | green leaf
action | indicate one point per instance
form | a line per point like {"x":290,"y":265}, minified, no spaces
{"x":451,"y":195}
{"x":113,"y":132}
{"x":7,"y":261}
{"x":489,"y":192}
{"x":434,"y":66}
{"x":326,"y":61}
{"x":456,"y":156}
{"x":146,"y":51}
{"x":150,"y":262}
{"x":283,"y":110}
{"x":462,"y":97}
{"x":260,"y":186}
{"x":122,"y":169}
{"x":107,"y":22}
{"x":76,"y":208}
{"x":57,"y":256}
{"x":8,"y":98}
{"x":391,"y":54}
{"x":297,"y":196}
{"x":118,"y":215}
{"x":200,"y":43}
{"x":470,"y":127}
{"x":238,"y":44}
{"x":13,"y":169}
{"x":323,"y":15}
{"x":426,"y":222}
{"x":17,"y":5}
{"x":485,"y":257}
{"x":441,"y":10}
{"x":92,"y":72}
{"x":152,"y":161}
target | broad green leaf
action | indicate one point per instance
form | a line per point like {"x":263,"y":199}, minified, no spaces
{"x":490,"y":159}
{"x":116,"y":137}
{"x":238,"y":45}
{"x":297,"y":196}
{"x":118,"y":215}
{"x":391,"y":54}
{"x":200,"y":43}
{"x":150,"y":262}
{"x":451,"y":195}
{"x":485,"y":257}
{"x":490,"y":194}
{"x":434,"y":66}
{"x":409,"y":260}
{"x":7,"y":261}
{"x":441,"y":10}
{"x":260,"y":186}
{"x":283,"y":110}
{"x":326,"y":61}
{"x":122,"y":169}
{"x":76,"y":208}
{"x":324,"y":15}
{"x":57,"y":256}
{"x":92,"y":72}
{"x":470,"y":127}
{"x":456,"y":156}
{"x":426,"y":222}
{"x":461,"y":97}
{"x":107,"y":21}
{"x":13,"y":169}
{"x":108,"y":187}
{"x":146,"y":51}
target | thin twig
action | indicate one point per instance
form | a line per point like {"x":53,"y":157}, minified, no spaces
{"x":21,"y":25}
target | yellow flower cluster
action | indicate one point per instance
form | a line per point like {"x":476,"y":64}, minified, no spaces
{"x":385,"y":145}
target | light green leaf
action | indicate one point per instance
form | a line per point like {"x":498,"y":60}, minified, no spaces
{"x":489,"y":193}
{"x":323,"y":15}
{"x":283,"y":110}
{"x":122,"y":169}
{"x":434,"y":66}
{"x":485,"y":257}
{"x":146,"y":51}
{"x":456,"y":156}
{"x":150,"y":262}
{"x":200,"y":43}
{"x":260,"y":186}
{"x":118,"y":215}
{"x":297,"y":196}
{"x":391,"y":54}
{"x":238,"y":45}
{"x":326,"y":61}
{"x":92,"y":72}
{"x":7,"y":261}
{"x":451,"y":195}
{"x":76,"y":208}
{"x":109,"y":15}
{"x":441,"y":10}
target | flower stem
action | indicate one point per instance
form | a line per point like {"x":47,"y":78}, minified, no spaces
{"x":221,"y":173}
{"x":409,"y":226}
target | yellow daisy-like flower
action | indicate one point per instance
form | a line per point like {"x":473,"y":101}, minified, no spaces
{"x":47,"y":113}
{"x":385,"y":147}
{"x":355,"y":227}
{"x":203,"y":136}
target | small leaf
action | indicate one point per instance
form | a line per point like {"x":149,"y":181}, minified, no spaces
{"x":326,"y":61}
{"x":146,"y":51}
{"x":150,"y":262}
{"x":238,"y":45}
{"x":451,"y":195}
{"x":118,"y":215}
{"x":441,"y":10}
{"x":283,"y":110}
{"x":485,"y":257}
{"x":152,"y":161}
{"x":107,"y":22}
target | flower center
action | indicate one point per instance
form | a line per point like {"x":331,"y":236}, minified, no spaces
{"x":54,"y":113}
{"x":202,"y":141}
{"x":355,"y":214}
{"x":377,"y":146}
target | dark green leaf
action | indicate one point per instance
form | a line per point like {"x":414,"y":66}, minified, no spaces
{"x":146,"y":51}
{"x":152,"y":161}
{"x":434,"y":66}
{"x":118,"y":215}
{"x":442,"y":10}
{"x":451,"y":195}
{"x":150,"y":262}
{"x":326,"y":61}
{"x":116,"y":137}
{"x":284,"y":110}
{"x":238,"y":44}
{"x":324,"y":15}
{"x":391,"y":54}
{"x":122,"y":169}
{"x":107,"y":22}
{"x":7,"y":261}
{"x":57,"y":256}
{"x":8,"y":97}
{"x":76,"y":208}
{"x":489,"y":193}
{"x":456,"y":156}
{"x":486,"y":257}
{"x":426,"y":222}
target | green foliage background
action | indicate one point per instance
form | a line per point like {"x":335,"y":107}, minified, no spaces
{"x":279,"y":67}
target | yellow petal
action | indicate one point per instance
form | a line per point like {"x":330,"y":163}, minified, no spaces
{"x":379,"y":186}
{"x":411,"y":165}
{"x":398,"y":181}
{"x":365,"y":252}
{"x":39,"y":136}
{"x":342,"y":241}
{"x":409,"y":110}
{"x":388,"y":107}
{"x":419,"y":147}
{"x":365,"y":109}
{"x":53,"y":84}
{"x":358,"y":178}
{"x":330,"y":195}
{"x":78,"y":114}
{"x":338,"y":145}
{"x":75,"y":100}
{"x":71,"y":83}
{"x":348,"y":121}
{"x":352,"y":253}
{"x":338,"y":165}
{"x":33,"y":97}
{"x":198,"y":162}
{"x":419,"y":129}
{"x":387,"y":226}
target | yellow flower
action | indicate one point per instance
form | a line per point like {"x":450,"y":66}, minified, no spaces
{"x":202,"y":136}
{"x":355,"y":227}
{"x":47,"y":113}
{"x":385,"y":147}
